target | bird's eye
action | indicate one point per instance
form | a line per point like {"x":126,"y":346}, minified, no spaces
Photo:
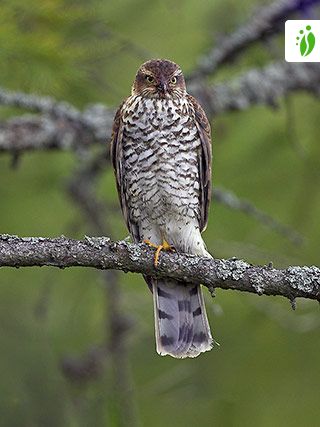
{"x":173,"y":80}
{"x":149,"y":79}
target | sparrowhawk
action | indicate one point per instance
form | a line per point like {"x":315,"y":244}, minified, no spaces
{"x":161,"y":153}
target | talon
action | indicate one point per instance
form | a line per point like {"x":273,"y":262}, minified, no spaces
{"x":157,"y":254}
{"x":165,"y":246}
{"x":152,"y":245}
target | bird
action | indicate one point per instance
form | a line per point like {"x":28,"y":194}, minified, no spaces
{"x":161,"y":154}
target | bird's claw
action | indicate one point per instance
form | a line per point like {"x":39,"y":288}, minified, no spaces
{"x":164,"y":246}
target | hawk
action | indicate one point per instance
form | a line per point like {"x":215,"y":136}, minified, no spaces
{"x":161,"y":154}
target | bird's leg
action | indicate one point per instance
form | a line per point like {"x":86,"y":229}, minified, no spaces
{"x":165,"y":246}
{"x":152,"y":245}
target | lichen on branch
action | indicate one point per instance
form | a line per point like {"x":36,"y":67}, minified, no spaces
{"x":102,"y":253}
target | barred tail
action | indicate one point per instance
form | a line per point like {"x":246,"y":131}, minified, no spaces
{"x":181,"y":324}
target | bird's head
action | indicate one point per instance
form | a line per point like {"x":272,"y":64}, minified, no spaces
{"x":159,"y":78}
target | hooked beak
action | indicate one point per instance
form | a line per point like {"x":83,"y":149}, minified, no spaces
{"x":162,"y":88}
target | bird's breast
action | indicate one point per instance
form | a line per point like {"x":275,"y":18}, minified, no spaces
{"x":160,"y":153}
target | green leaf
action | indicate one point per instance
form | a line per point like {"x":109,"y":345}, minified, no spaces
{"x":303,"y":46}
{"x":307,"y":45}
{"x":312,"y":42}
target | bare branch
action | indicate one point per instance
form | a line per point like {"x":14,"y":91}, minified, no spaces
{"x":43,"y":132}
{"x":264,"y":86}
{"x":64,"y":129}
{"x":31,"y":132}
{"x":61,"y":125}
{"x":261,"y":86}
{"x":93,"y":117}
{"x":229,"y":199}
{"x":101,"y":253}
{"x":40,"y":104}
{"x":82,"y":186}
{"x":266,"y":22}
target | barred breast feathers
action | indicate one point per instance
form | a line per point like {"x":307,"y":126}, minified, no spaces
{"x":160,"y":153}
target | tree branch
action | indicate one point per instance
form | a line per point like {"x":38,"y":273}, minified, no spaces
{"x":82,"y":188}
{"x":62,"y":129}
{"x":232,"y":201}
{"x":264,"y":86}
{"x":261,"y":25}
{"x":60,"y":126}
{"x":101,"y":253}
{"x":40,"y":104}
{"x":42,"y":132}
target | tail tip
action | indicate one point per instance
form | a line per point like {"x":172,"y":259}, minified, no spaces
{"x":207,"y":343}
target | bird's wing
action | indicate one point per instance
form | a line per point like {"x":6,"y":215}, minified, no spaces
{"x":116,"y":158}
{"x":204,"y":162}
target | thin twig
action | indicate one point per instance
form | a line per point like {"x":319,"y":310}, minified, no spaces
{"x":232,"y":201}
{"x":82,"y":188}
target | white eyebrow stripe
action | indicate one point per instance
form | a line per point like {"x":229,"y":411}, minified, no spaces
{"x":175,"y":74}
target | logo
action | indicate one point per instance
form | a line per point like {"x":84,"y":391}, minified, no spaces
{"x":302,"y":41}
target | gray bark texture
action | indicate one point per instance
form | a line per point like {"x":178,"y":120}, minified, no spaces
{"x":102,"y":253}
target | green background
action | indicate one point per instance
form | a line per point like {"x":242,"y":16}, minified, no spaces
{"x":266,"y":371}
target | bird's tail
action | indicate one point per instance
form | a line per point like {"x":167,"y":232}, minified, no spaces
{"x":181,"y":324}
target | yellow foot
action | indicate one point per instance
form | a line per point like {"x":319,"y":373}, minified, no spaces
{"x":165,"y":246}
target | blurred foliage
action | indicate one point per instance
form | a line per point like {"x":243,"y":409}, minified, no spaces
{"x":266,"y":372}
